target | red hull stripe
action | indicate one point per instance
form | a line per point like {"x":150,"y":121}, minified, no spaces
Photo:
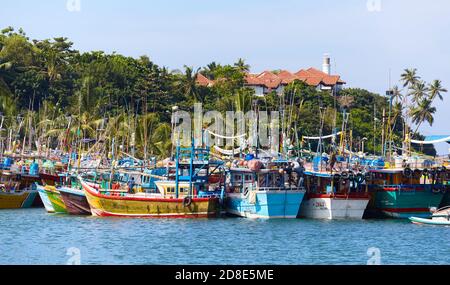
{"x":393,"y":189}
{"x":162,"y":216}
{"x":143,"y":199}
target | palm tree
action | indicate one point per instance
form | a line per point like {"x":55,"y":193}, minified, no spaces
{"x":160,"y":142}
{"x":423,"y":112}
{"x":210,"y":69}
{"x":397,"y":95}
{"x":242,"y":66}
{"x":436,"y":90}
{"x":7,"y":104}
{"x":419,"y":91}
{"x":243,"y":100}
{"x":397,"y":112}
{"x":410,"y":77}
{"x":188,"y":84}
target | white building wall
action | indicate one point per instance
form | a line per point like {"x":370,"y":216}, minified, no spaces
{"x":259,"y":90}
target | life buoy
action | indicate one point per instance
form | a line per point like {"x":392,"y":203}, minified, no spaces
{"x":359,"y":179}
{"x":336,"y":177}
{"x":407,"y":172}
{"x":436,"y":190}
{"x":351,"y":176}
{"x":345,"y":175}
{"x":187,"y":201}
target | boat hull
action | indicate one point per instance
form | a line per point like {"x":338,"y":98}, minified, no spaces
{"x":17,"y":200}
{"x":421,"y":221}
{"x":45,"y":200}
{"x":279,"y":204}
{"x":75,"y":201}
{"x":334,"y":207}
{"x":55,"y":199}
{"x":144,"y":207}
{"x":405,"y":201}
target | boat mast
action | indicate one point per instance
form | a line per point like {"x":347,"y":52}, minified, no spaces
{"x":374,"y":128}
{"x":2,"y":146}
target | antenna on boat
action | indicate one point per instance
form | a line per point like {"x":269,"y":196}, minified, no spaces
{"x":174,"y":136}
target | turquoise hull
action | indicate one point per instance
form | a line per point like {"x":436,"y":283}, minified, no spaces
{"x":45,"y":200}
{"x":28,"y":203}
{"x":431,"y":222}
{"x":406,"y":201}
{"x":279,"y":204}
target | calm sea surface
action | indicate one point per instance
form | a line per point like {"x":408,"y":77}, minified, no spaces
{"x":31,"y":236}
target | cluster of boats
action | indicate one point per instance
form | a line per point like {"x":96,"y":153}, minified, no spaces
{"x":196,"y":183}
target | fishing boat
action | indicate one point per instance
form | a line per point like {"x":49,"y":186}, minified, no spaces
{"x":44,"y":198}
{"x":334,"y":196}
{"x":54,"y":196}
{"x":405,"y":193}
{"x":186,"y":195}
{"x":257,"y":192}
{"x":73,"y":196}
{"x":17,"y":190}
{"x":439,"y":217}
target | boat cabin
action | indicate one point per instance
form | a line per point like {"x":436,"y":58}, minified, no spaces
{"x":241,"y":180}
{"x":327,"y":184}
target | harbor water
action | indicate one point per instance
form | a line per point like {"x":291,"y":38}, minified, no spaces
{"x":31,"y":236}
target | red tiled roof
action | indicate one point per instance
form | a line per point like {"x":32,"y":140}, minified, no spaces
{"x":268,"y":79}
{"x":203,"y":81}
{"x":286,"y":77}
{"x":271,"y":80}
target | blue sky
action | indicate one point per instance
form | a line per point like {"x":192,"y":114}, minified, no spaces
{"x":284,"y":34}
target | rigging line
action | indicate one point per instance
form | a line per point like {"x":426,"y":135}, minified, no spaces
{"x":323,"y":137}
{"x":225,"y":137}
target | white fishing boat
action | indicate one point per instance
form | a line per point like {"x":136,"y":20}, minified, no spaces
{"x":440,"y":217}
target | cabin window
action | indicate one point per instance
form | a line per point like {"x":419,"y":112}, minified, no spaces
{"x":248,"y":177}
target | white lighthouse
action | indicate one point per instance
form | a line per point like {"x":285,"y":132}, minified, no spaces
{"x":326,"y":66}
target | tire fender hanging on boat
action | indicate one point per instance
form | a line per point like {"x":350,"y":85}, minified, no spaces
{"x":187,"y":201}
{"x":407,"y":172}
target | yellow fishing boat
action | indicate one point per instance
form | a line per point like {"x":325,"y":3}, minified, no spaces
{"x":16,"y":191}
{"x":119,"y":203}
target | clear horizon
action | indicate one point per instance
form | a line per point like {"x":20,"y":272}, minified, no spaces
{"x":367,"y":39}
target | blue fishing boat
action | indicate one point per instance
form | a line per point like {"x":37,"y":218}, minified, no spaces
{"x":262,"y":193}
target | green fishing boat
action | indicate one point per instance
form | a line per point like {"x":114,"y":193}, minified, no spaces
{"x":56,"y":200}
